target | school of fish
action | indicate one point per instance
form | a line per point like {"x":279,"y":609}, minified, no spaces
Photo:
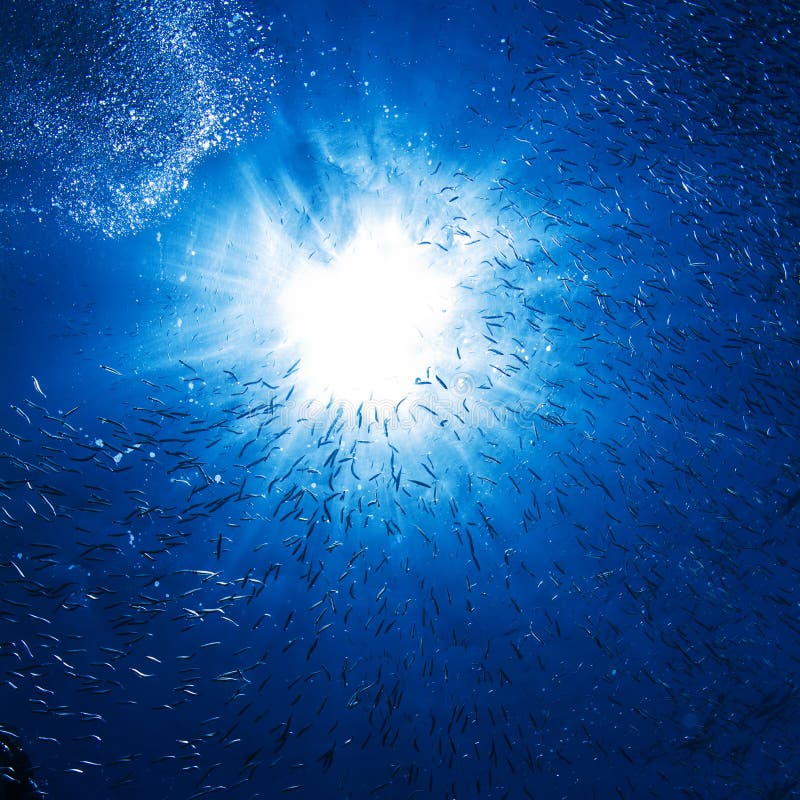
{"x":563,"y":564}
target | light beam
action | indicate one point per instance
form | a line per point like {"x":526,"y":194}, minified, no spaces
{"x":371,"y":322}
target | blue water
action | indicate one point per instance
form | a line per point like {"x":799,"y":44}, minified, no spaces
{"x":564,"y":565}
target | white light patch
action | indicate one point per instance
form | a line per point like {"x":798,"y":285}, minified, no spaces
{"x":370,"y":322}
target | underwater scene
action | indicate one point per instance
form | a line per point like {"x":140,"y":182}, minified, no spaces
{"x":399,"y":399}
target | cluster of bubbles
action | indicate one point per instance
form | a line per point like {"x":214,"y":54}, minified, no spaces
{"x":110,"y":105}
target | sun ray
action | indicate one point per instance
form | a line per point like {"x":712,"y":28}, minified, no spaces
{"x":368,"y":324}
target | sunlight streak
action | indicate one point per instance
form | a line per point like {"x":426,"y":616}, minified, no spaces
{"x":368,"y":324}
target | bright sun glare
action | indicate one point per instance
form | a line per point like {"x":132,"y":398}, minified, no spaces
{"x":369,"y":323}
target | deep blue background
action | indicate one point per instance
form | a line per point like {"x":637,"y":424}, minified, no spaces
{"x":596,"y":594}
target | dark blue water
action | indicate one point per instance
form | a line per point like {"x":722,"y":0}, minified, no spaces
{"x":560,"y":561}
